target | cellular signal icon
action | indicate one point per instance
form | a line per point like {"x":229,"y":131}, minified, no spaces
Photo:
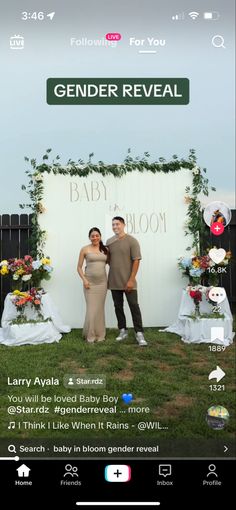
{"x":193,"y":15}
{"x":178,"y":17}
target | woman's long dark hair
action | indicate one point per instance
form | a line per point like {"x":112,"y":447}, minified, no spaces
{"x":102,"y":247}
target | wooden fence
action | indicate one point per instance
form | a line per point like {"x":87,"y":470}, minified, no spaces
{"x":14,"y":242}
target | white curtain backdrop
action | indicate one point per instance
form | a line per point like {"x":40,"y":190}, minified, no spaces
{"x":155,"y":213}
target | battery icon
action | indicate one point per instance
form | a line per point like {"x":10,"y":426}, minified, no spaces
{"x":211,"y":15}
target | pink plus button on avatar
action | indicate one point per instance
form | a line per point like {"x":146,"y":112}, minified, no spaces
{"x":217,"y":228}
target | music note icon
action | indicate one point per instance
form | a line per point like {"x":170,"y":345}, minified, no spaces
{"x":12,"y":425}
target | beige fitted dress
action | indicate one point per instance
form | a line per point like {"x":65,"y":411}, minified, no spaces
{"x":95,"y":272}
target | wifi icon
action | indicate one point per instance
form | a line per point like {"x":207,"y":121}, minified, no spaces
{"x":193,"y":15}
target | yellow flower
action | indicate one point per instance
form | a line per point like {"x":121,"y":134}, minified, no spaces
{"x":4,"y":263}
{"x":4,"y":270}
{"x":196,"y":263}
{"x":19,"y":293}
{"x":20,"y":272}
{"x":23,"y":294}
{"x":46,"y":261}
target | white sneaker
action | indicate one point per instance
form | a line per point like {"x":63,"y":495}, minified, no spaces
{"x":140,"y":338}
{"x":122,"y":335}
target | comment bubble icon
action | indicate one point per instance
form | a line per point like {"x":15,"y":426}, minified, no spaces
{"x":217,"y":294}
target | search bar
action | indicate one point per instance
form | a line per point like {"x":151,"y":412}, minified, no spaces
{"x":118,"y":503}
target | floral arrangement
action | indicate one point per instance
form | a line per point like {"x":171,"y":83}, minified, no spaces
{"x":17,"y":268}
{"x":22,"y":299}
{"x":194,"y":266}
{"x":41,"y":270}
{"x":196,"y":292}
{"x":26,"y":270}
{"x":197,"y":266}
{"x":196,"y":295}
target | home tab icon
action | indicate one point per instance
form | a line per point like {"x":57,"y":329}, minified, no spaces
{"x":23,"y":471}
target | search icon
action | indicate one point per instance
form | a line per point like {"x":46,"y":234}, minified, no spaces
{"x":218,"y":41}
{"x":12,"y":448}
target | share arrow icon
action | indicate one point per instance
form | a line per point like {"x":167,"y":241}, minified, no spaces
{"x":50,"y":15}
{"x":217,"y":374}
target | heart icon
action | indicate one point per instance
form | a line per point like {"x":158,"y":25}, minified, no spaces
{"x":217,"y":255}
{"x":217,"y":294}
{"x":127,"y":398}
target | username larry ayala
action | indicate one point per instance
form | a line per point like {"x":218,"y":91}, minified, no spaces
{"x":37,"y":381}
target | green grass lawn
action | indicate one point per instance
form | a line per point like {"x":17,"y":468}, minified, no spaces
{"x":168,"y":376}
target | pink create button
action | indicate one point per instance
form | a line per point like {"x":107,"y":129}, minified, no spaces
{"x":113,"y":36}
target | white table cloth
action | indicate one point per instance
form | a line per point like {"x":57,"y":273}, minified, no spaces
{"x":199,"y":330}
{"x":32,"y":333}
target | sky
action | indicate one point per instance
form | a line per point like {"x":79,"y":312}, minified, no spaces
{"x":29,"y":125}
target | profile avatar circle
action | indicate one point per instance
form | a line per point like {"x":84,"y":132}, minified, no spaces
{"x":217,"y":417}
{"x":217,"y":215}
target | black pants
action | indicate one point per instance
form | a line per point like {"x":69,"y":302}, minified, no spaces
{"x":132,"y":298}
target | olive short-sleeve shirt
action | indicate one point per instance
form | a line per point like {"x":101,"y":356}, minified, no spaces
{"x":122,"y":254}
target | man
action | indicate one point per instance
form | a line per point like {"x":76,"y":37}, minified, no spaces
{"x":125,"y":257}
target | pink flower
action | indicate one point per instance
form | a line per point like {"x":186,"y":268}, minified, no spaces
{"x":28,"y":258}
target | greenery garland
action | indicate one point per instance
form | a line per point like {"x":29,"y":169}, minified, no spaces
{"x":35,"y":189}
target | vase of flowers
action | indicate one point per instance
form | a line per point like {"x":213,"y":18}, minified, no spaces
{"x":20,"y":300}
{"x":24,"y":300}
{"x":196,"y":294}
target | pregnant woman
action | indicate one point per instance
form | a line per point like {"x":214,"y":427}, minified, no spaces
{"x":94,"y":280}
